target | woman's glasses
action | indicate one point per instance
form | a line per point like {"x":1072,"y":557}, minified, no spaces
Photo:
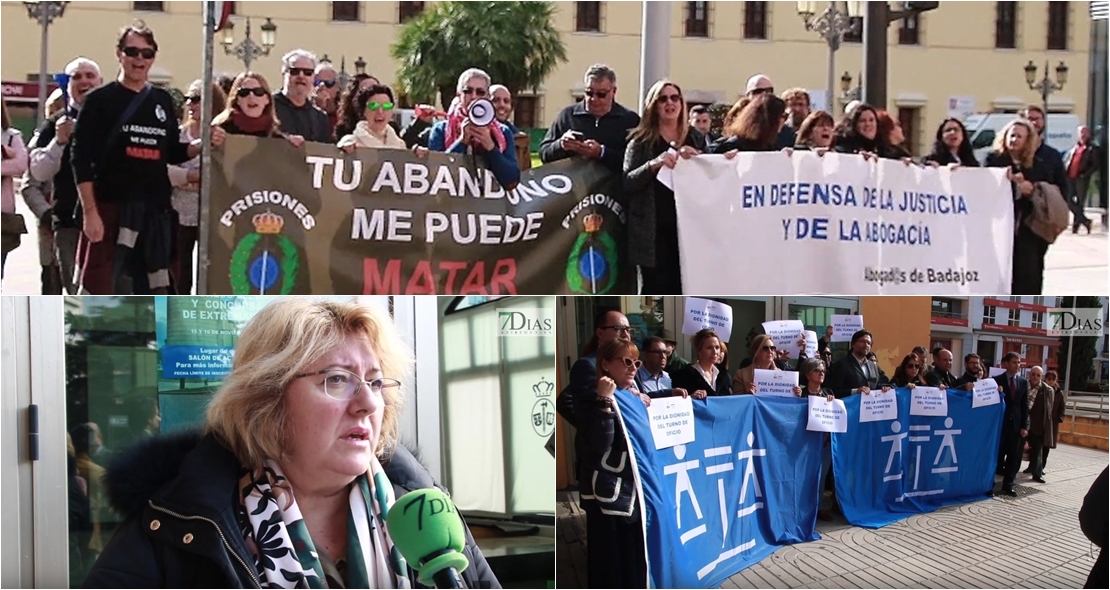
{"x":379,"y":106}
{"x":913,"y":366}
{"x":257,"y":91}
{"x":766,"y":348}
{"x":630,"y":362}
{"x":145,"y":52}
{"x":675,"y":98}
{"x":343,"y":385}
{"x":192,"y":99}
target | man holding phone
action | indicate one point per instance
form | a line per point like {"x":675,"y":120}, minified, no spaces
{"x":595,"y":128}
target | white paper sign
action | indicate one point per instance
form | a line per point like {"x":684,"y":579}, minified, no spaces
{"x":985,"y":393}
{"x":771,"y":382}
{"x":672,"y":421}
{"x":840,"y":224}
{"x":811,"y":344}
{"x":704,"y":313}
{"x":995,"y":371}
{"x":826,"y":416}
{"x":960,"y":107}
{"x":929,"y":401}
{"x":878,"y":406}
{"x":665,"y":176}
{"x":787,"y":334}
{"x":844,"y":326}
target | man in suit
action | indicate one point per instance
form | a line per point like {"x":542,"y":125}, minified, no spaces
{"x":1015,"y":422}
{"x":609,"y":324}
{"x":854,"y":373}
{"x":1080,"y":162}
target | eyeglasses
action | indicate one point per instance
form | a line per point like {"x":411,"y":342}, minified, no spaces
{"x":343,"y":385}
{"x":475,"y":91}
{"x":383,"y":106}
{"x":257,"y":91}
{"x":326,"y":83}
{"x":634,"y":363}
{"x":766,"y":348}
{"x":144,"y":52}
{"x":618,"y":328}
{"x":597,"y":93}
{"x":307,"y":72}
{"x":675,"y":98}
{"x":656,"y":351}
{"x":192,"y":99}
{"x":822,"y":371}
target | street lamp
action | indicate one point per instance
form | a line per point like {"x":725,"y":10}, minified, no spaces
{"x":44,"y":13}
{"x":1045,"y":86}
{"x":247,"y":50}
{"x":831,"y":24}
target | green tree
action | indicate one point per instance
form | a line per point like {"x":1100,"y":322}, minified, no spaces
{"x":516,"y":43}
{"x":1084,"y":352}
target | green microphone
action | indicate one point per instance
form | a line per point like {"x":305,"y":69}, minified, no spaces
{"x":426,"y":529}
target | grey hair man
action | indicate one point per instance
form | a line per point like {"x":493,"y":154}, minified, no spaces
{"x":595,"y":128}
{"x":326,"y":85}
{"x":293,"y":104}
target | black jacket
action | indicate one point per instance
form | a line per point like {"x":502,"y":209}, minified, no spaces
{"x":937,"y":378}
{"x":610,"y":131}
{"x":308,"y":121}
{"x":1017,"y":407}
{"x":845,"y":375}
{"x":178,"y":496}
{"x":690,"y":379}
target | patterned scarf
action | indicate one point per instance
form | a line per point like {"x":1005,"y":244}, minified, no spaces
{"x":455,"y":116}
{"x":284,"y":553}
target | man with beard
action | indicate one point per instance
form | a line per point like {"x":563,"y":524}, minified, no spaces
{"x":293,"y":104}
{"x":50,"y":165}
{"x":856,"y":372}
{"x":797,"y":109}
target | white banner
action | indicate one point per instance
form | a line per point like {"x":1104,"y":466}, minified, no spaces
{"x":706,"y":313}
{"x":788,"y":335}
{"x":839,"y":224}
{"x":672,"y":421}
{"x":775,"y":382}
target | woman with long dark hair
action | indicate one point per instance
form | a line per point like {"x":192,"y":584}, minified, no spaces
{"x":755,"y":128}
{"x":891,"y":130}
{"x":910,"y":372}
{"x":952,"y":146}
{"x":348,"y":115}
{"x":859,"y":133}
{"x":663,"y":132}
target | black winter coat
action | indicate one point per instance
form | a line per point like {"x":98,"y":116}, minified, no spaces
{"x":178,"y":496}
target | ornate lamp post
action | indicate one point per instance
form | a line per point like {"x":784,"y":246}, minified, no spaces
{"x":247,"y":50}
{"x":1045,"y":86}
{"x":44,"y":13}
{"x":831,"y":24}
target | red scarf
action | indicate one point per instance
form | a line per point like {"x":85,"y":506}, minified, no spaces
{"x":455,"y":115}
{"x":262,"y":125}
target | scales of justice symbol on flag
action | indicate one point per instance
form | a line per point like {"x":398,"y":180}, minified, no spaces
{"x":592,"y":266}
{"x":264,"y":262}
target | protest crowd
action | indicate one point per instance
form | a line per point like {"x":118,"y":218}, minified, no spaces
{"x":612,"y":366}
{"x":113,"y":173}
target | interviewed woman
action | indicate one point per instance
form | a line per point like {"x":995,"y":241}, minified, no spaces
{"x":662,"y":136}
{"x":294,"y":474}
{"x":702,"y":377}
{"x":614,"y":529}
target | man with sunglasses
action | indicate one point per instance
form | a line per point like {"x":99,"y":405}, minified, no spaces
{"x":326,"y":94}
{"x":50,"y":165}
{"x":126,"y":135}
{"x":293,"y":104}
{"x":595,"y":128}
{"x":493,"y":143}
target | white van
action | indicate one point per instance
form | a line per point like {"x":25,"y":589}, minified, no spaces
{"x":984,"y":127}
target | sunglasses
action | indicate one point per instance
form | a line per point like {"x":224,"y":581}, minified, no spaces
{"x":257,"y":91}
{"x":326,"y":83}
{"x":476,"y":91}
{"x":144,"y":52}
{"x":302,"y":71}
{"x":375,"y":106}
{"x":675,"y":98}
{"x":766,"y":348}
{"x":597,"y":93}
{"x":192,"y":99}
{"x":634,"y":363}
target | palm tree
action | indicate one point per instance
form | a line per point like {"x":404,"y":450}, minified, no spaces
{"x":514,"y":42}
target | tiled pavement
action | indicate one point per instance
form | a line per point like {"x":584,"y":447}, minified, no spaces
{"x":1031,"y":541}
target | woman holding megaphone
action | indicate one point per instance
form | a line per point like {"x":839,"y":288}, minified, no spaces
{"x":293,"y":478}
{"x":472,"y":128}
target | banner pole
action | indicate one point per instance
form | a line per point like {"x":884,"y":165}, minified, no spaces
{"x":209,"y":12}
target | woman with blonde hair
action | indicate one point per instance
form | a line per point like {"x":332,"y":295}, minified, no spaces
{"x":185,"y":179}
{"x":293,"y":477}
{"x":662,"y":136}
{"x":1014,"y":148}
{"x":764,"y":355}
{"x":702,"y":377}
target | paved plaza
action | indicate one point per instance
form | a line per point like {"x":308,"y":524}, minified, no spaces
{"x":1031,"y":541}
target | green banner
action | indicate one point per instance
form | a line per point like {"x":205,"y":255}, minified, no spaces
{"x":314,"y":220}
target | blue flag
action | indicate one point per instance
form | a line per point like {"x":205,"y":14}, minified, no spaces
{"x":747,"y":485}
{"x":888,"y":470}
